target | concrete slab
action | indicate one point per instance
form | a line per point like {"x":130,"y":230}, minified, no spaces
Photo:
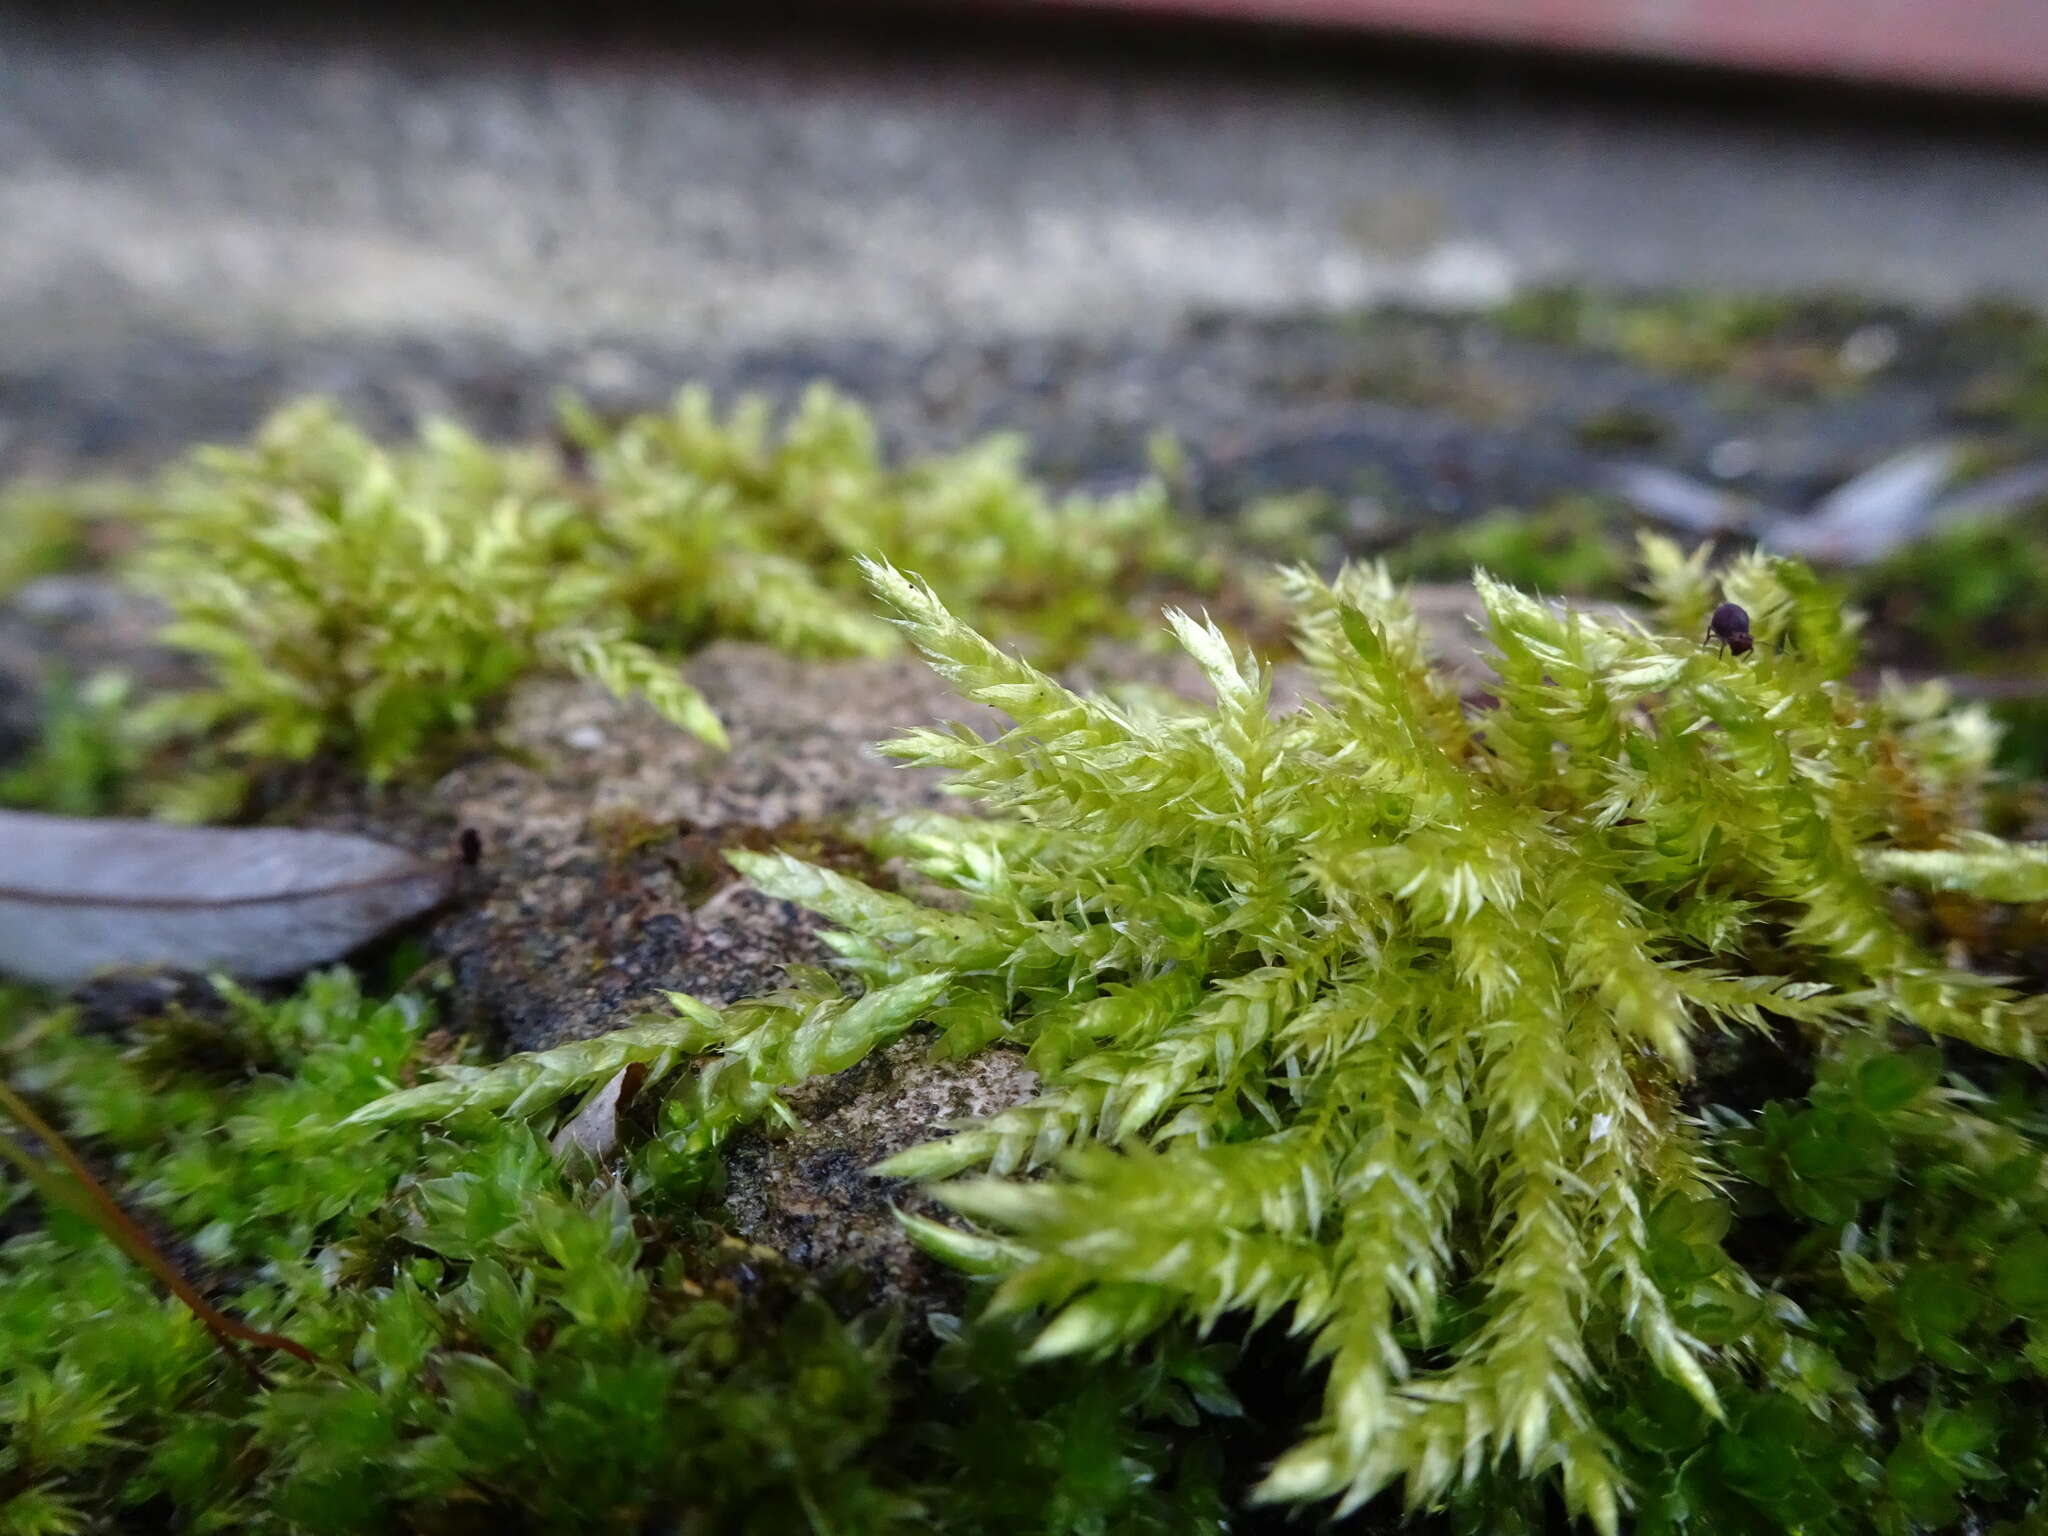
{"x":735,"y":192}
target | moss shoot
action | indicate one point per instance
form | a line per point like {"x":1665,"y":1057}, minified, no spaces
{"x":1409,"y":1024}
{"x":373,"y":606}
{"x":506,"y":1338}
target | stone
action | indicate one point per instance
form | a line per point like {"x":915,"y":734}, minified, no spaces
{"x":601,"y":882}
{"x":806,"y":1191}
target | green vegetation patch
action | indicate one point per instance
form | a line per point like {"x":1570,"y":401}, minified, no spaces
{"x":45,"y":529}
{"x":507,"y":1337}
{"x":1965,"y":599}
{"x":1793,"y":342}
{"x":1573,"y":546}
{"x":1386,"y":1017}
{"x":1570,"y":1076}
{"x":1968,"y":596}
{"x":374,"y":605}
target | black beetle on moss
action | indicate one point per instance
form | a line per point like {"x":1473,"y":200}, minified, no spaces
{"x":1729,"y":627}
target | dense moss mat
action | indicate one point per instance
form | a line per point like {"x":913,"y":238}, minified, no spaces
{"x":504,"y":1343}
{"x":1597,"y":1092}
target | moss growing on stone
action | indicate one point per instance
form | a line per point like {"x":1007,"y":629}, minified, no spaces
{"x":1572,"y":546}
{"x":373,"y":606}
{"x":1400,"y":1021}
{"x":49,"y":528}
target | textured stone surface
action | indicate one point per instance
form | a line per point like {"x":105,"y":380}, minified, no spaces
{"x":807,"y":1192}
{"x":602,"y":885}
{"x":603,"y":826}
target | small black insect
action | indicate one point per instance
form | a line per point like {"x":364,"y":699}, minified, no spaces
{"x":1729,"y":628}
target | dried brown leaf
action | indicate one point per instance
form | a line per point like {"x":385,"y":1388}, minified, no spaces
{"x":593,"y":1131}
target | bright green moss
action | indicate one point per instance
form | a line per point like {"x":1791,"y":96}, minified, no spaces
{"x":82,"y":762}
{"x":1384,"y":1017}
{"x":506,"y":1344}
{"x":375,"y":605}
{"x":1967,"y":596}
{"x":1965,"y":599}
{"x":1401,"y":1022}
{"x":729,"y":526}
{"x":348,"y":599}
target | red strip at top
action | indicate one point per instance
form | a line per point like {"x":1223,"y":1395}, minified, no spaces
{"x":1998,"y":46}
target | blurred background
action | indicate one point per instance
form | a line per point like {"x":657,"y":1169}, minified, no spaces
{"x":1410,"y":265}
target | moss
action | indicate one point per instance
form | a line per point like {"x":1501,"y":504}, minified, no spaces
{"x":697,"y":855}
{"x":2007,"y":346}
{"x":1964,"y":600}
{"x":1574,"y":546}
{"x":1967,"y":597}
{"x":374,"y":607}
{"x":1901,"y":1209}
{"x":1622,"y":427}
{"x":1781,"y":341}
{"x":84,"y":759}
{"x":1392,"y":1018}
{"x":503,"y":1343}
{"x":1389,"y":1017}
{"x":45,"y":529}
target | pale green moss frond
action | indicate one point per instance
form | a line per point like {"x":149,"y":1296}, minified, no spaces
{"x":542,"y":1079}
{"x":754,"y":1049}
{"x":1681,"y":589}
{"x":1342,"y":1012}
{"x":1984,"y":867}
{"x":378,"y":604}
{"x":1379,"y":1016}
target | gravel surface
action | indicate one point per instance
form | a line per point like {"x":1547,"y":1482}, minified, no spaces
{"x":1395,"y":415}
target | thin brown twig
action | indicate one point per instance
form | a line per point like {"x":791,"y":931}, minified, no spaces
{"x":122,"y":1228}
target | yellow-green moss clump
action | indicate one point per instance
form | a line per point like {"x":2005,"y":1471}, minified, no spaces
{"x":374,"y":605}
{"x":45,"y":529}
{"x":1385,"y":1017}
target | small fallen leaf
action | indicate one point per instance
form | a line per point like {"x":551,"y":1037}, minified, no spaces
{"x":1862,"y":520}
{"x":1682,"y":502}
{"x":79,"y":895}
{"x":593,"y":1131}
{"x":1869,"y":516}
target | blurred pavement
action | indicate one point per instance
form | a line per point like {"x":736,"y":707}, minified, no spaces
{"x":242,"y":207}
{"x":745,"y":191}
